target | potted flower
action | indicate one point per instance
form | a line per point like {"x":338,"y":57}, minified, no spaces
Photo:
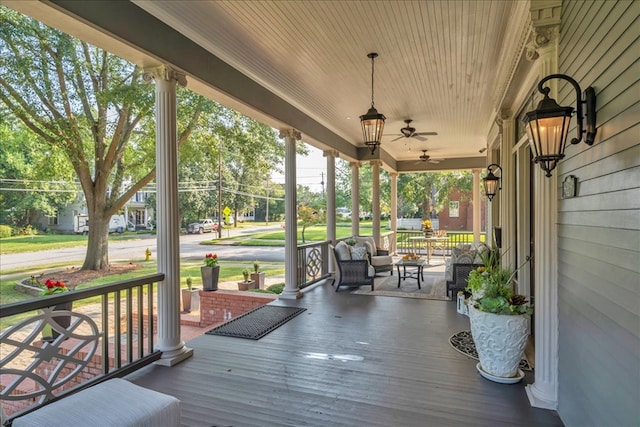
{"x":190,"y":297}
{"x":499,"y":320}
{"x":210,"y":272}
{"x":426,"y":227}
{"x":55,"y":287}
{"x":246,"y":284}
{"x":257,"y":276}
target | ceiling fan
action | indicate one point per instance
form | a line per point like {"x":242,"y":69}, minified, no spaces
{"x":424,"y":157}
{"x":410,"y":132}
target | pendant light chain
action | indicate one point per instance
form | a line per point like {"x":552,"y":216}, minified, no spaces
{"x":372,"y":66}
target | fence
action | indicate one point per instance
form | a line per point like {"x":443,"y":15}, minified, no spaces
{"x":405,"y":245}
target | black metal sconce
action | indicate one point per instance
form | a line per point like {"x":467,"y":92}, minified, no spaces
{"x":548,"y":126}
{"x":372,"y":122}
{"x":491,"y":181}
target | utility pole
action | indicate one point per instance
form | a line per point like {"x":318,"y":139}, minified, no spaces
{"x":267,"y":216}
{"x":220,"y":190}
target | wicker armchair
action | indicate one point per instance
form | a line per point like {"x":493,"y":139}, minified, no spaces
{"x":460,"y":274}
{"x":352,"y":273}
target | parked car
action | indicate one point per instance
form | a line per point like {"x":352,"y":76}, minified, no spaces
{"x":206,"y":225}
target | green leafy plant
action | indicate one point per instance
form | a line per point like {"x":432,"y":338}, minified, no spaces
{"x":256,"y":266}
{"x":245,"y":273}
{"x":189,"y":282}
{"x":492,"y":287}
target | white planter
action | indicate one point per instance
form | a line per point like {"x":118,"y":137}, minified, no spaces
{"x":500,"y":341}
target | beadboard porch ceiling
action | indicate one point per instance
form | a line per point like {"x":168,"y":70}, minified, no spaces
{"x":443,"y":64}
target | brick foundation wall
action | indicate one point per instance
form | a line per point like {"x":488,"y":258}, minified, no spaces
{"x":221,"y":305}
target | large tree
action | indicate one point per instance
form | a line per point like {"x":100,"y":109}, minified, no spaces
{"x":88,"y":104}
{"x":34,"y":180}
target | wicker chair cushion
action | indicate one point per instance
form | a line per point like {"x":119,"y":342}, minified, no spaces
{"x":342,"y":251}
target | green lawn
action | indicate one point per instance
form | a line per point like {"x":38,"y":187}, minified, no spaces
{"x":43,"y":242}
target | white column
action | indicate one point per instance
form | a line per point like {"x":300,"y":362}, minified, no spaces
{"x":355,"y":198}
{"x":331,"y":194}
{"x":394,"y":210}
{"x":507,"y":194}
{"x":476,"y":205}
{"x":291,"y":290}
{"x":543,"y":393}
{"x":375,"y":199}
{"x":168,"y":223}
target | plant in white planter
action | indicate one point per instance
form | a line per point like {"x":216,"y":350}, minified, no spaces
{"x":257,"y":276}
{"x":190,"y":297}
{"x":499,"y":321}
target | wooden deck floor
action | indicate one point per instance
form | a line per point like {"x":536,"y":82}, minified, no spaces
{"x":349,"y":360}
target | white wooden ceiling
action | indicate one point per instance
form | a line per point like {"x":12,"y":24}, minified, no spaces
{"x":441,"y":63}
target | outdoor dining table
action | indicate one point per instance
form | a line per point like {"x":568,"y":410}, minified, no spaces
{"x":429,"y":242}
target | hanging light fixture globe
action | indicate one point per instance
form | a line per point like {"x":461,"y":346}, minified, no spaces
{"x":372,"y":122}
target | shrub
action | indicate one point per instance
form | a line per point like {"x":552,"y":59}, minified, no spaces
{"x":5,"y":231}
{"x":276,"y":289}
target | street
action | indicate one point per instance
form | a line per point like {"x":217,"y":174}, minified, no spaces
{"x":134,"y":250}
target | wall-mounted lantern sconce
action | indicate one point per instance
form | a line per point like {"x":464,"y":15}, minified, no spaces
{"x":372,"y":122}
{"x":548,"y":126}
{"x":491,"y":181}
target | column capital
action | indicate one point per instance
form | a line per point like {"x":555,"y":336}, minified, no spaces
{"x":355,"y":164}
{"x":393,"y":174}
{"x":545,"y":25}
{"x":331,"y":153}
{"x":164,"y":72}
{"x":375,"y":162}
{"x":290,"y":133}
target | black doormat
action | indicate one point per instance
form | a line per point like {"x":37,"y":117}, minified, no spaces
{"x":257,"y":323}
{"x":463,"y":342}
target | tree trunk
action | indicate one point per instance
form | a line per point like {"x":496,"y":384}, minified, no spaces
{"x":97,"y":257}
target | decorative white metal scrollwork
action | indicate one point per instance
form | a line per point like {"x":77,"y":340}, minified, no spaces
{"x":50,"y":365}
{"x":314,"y":263}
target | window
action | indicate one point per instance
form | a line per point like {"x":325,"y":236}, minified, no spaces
{"x":454,"y":209}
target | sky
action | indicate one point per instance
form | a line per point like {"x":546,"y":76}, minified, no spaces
{"x":309,"y":170}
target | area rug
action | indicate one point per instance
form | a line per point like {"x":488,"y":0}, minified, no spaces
{"x":463,"y":342}
{"x":257,"y":323}
{"x":433,"y":288}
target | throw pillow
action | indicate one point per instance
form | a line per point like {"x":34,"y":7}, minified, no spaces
{"x":370,"y":248}
{"x":342,"y":251}
{"x":358,"y":252}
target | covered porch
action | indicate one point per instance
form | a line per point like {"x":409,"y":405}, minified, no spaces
{"x":373,"y":361}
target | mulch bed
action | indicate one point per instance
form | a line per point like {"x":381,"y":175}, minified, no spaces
{"x":73,"y":277}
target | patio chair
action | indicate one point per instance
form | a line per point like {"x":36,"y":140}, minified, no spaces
{"x":379,"y":258}
{"x":460,"y":273}
{"x":351,"y":272}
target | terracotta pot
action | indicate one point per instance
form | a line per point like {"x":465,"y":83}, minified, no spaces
{"x":245,"y":286}
{"x":258,"y":278}
{"x":190,"y":300}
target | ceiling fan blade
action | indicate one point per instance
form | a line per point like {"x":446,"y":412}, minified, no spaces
{"x":400,"y":137}
{"x":419,"y":138}
{"x":425,"y":133}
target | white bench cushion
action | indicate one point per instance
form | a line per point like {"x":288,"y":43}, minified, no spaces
{"x":115,"y":402}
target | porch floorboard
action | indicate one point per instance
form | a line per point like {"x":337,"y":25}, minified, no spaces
{"x":349,"y":360}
